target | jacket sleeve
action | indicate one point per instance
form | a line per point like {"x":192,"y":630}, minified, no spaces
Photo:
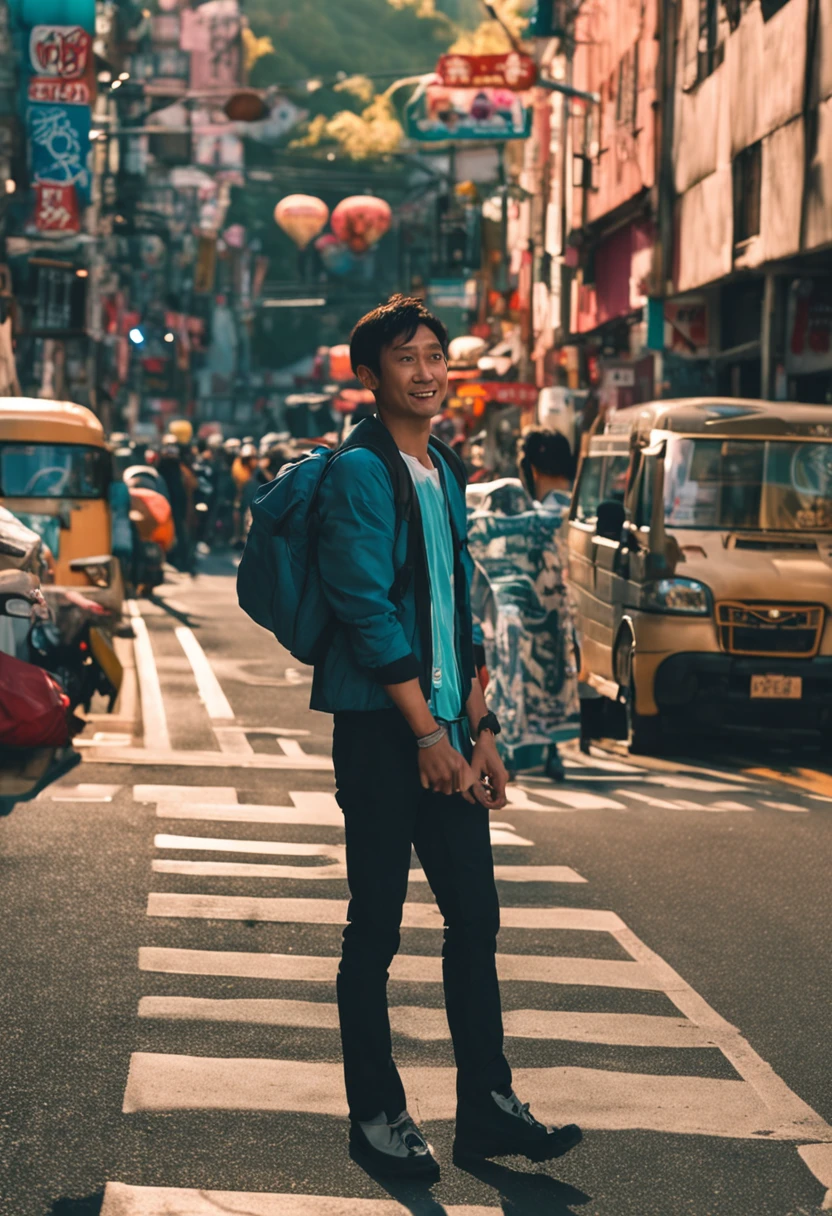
{"x":355,"y":558}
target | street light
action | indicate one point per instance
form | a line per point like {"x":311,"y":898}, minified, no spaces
{"x":136,"y":336}
{"x":169,"y":337}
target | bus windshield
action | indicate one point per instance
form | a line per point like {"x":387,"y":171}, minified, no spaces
{"x":754,"y":484}
{"x":53,"y":470}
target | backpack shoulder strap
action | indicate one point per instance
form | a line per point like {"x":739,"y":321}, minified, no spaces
{"x":452,"y":460}
{"x":373,"y":435}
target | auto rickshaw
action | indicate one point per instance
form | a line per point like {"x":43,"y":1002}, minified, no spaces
{"x":55,"y":476}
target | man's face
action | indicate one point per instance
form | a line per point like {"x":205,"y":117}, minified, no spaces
{"x":414,"y":376}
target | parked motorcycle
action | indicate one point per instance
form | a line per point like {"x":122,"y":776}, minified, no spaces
{"x":36,"y":719}
{"x":75,"y":645}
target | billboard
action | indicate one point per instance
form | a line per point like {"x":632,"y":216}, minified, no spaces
{"x":437,"y":114}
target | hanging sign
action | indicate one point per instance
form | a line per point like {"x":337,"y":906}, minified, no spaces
{"x":437,"y":114}
{"x":61,"y":62}
{"x":59,"y":137}
{"x":56,"y":208}
{"x":513,"y":71}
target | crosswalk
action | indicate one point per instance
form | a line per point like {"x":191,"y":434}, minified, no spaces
{"x":728,"y":1092}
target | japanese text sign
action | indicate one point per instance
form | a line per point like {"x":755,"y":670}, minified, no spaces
{"x":513,"y":71}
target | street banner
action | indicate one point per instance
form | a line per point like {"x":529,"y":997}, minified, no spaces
{"x":56,"y":208}
{"x":211,"y":33}
{"x":62,"y":65}
{"x":59,"y":138}
{"x":436,"y":114}
{"x":514,"y":71}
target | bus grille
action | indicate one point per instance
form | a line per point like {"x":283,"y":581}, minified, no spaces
{"x":770,"y":630}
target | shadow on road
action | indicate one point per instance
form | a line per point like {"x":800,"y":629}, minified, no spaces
{"x":89,"y":1206}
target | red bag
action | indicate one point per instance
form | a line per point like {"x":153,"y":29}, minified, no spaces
{"x":33,"y":706}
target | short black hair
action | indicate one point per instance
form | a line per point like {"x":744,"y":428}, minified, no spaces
{"x":400,"y":317}
{"x":549,"y":452}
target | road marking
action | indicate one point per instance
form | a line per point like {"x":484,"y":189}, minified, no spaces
{"x":593,"y":1098}
{"x":285,"y":848}
{"x":405,"y":968}
{"x":683,"y":804}
{"x":315,"y":810}
{"x":186,"y":794}
{"x":787,"y":806}
{"x":290,"y":747}
{"x":577,"y":800}
{"x":785,"y":1109}
{"x":503,"y":837}
{"x":232,"y":740}
{"x":80,"y":793}
{"x":818,"y":1158}
{"x":123,"y":1200}
{"x":154,"y":722}
{"x":683,"y":782}
{"x":211,"y":694}
{"x":333,"y":912}
{"x":431,"y":1025}
{"x":224,"y":760}
{"x":236,"y":869}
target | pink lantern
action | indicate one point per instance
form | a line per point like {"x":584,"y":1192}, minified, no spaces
{"x":301,"y":217}
{"x":360,"y":221}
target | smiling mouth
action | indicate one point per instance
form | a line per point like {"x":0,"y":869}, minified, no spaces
{"x":425,"y":395}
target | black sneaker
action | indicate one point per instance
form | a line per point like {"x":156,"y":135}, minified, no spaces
{"x":505,"y":1127}
{"x":394,"y":1150}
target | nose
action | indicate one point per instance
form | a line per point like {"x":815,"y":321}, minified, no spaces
{"x":423,"y":371}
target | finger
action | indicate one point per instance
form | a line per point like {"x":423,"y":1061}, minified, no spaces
{"x":481,"y":795}
{"x":468,"y":795}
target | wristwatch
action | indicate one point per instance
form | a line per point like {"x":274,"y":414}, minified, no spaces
{"x":489,"y":722}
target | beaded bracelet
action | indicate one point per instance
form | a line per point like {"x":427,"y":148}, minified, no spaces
{"x":433,"y":738}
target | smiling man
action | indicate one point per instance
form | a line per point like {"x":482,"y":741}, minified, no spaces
{"x":416,"y":762}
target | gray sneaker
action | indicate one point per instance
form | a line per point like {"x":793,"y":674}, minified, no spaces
{"x":396,"y":1149}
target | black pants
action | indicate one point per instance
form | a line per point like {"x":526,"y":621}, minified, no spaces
{"x":385,"y":812}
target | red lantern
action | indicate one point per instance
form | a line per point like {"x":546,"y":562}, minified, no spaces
{"x":301,"y":217}
{"x":360,"y":221}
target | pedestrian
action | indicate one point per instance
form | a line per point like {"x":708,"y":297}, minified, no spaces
{"x":399,"y":677}
{"x":532,"y":658}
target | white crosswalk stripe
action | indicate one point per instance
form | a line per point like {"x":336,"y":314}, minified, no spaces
{"x":754,"y":1103}
{"x":123,"y":1200}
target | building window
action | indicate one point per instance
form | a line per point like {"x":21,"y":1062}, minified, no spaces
{"x":710,"y":48}
{"x":626,"y":100}
{"x":748,"y":176}
{"x":770,"y":7}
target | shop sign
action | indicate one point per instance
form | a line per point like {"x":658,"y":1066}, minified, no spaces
{"x":503,"y":392}
{"x":514,"y":71}
{"x":436,"y":114}
{"x":59,"y":137}
{"x":687,"y":322}
{"x":61,"y":62}
{"x":450,"y":293}
{"x":809,"y":327}
{"x":56,"y":208}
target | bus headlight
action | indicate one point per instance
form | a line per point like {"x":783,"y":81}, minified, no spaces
{"x":685,"y":596}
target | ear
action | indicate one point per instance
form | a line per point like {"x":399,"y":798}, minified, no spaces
{"x":367,"y":377}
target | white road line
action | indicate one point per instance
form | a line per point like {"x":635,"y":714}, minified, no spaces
{"x":784,"y":1108}
{"x":406,"y":968}
{"x":577,"y":800}
{"x":290,"y":747}
{"x":80,"y":793}
{"x":225,"y":760}
{"x":284,"y":848}
{"x":154,"y":722}
{"x":593,"y":1098}
{"x":312,"y":808}
{"x":213,"y":698}
{"x":186,"y":794}
{"x":315,"y":873}
{"x":431,"y":1025}
{"x":123,"y":1200}
{"x":243,"y":869}
{"x":333,"y":912}
{"x":232,"y":740}
{"x":309,"y":809}
{"x":787,"y":806}
{"x":818,"y":1158}
{"x":684,"y":804}
{"x":683,"y":782}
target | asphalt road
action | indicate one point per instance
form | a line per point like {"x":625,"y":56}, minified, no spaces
{"x":171,"y":921}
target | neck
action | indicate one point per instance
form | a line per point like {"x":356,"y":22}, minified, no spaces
{"x":411,"y":435}
{"x":544,"y":484}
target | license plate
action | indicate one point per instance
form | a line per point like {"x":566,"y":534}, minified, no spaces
{"x":783,"y":688}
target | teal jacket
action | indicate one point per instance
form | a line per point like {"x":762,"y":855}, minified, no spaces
{"x":382,"y":637}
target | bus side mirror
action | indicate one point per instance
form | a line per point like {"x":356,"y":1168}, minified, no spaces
{"x":611,"y":519}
